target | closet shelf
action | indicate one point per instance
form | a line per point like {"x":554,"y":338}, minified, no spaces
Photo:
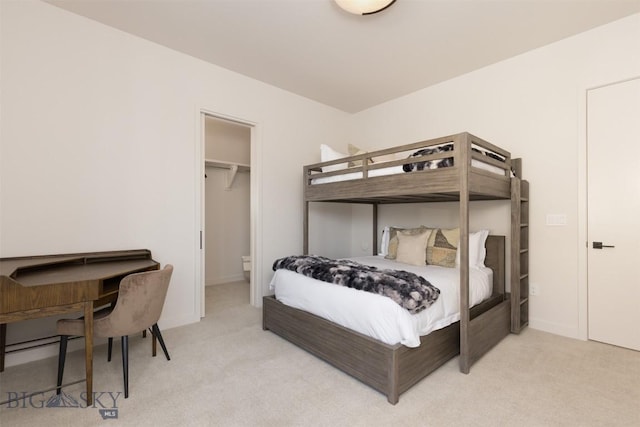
{"x":226,"y":165}
{"x":232,"y":167}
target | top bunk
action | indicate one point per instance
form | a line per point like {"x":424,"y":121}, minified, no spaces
{"x":436,"y":170}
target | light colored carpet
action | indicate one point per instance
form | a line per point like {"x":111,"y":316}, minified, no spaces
{"x":227,"y":371}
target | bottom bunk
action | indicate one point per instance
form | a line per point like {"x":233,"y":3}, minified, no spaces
{"x":393,"y":369}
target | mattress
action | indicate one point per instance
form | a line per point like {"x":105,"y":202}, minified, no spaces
{"x":375,"y":315}
{"x":395,"y":170}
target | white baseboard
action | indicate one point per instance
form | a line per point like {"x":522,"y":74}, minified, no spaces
{"x":554,"y":328}
{"x":50,"y":350}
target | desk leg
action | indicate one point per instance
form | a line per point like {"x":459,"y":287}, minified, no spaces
{"x":88,"y":349}
{"x":3,"y":344}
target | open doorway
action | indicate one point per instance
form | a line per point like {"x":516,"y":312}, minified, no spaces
{"x":227,"y":207}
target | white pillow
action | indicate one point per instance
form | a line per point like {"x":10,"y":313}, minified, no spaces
{"x":384,"y":242}
{"x":477,"y":250}
{"x":327,"y":153}
{"x":412,"y":247}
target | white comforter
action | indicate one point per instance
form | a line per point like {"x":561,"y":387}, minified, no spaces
{"x":377,"y":316}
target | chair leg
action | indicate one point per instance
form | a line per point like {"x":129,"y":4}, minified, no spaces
{"x":125,"y":364}
{"x":154,"y":343}
{"x":109,"y":348}
{"x":62,"y":355}
{"x":156,"y":333}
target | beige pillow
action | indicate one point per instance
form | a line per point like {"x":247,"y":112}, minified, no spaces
{"x":354,"y":151}
{"x":443,"y":246}
{"x":411,"y":247}
{"x":392,"y":247}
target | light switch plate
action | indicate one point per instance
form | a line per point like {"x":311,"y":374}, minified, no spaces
{"x":556,"y":219}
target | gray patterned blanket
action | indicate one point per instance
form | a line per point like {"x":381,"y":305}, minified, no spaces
{"x":409,"y":290}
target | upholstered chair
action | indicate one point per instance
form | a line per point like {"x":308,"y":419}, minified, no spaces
{"x":138,"y":307}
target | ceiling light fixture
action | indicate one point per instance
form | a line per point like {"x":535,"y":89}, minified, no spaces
{"x":364,"y":7}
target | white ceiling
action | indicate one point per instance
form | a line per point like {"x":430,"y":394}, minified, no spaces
{"x":315,"y":49}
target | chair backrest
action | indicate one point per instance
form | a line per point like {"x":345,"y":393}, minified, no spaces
{"x":140,"y":300}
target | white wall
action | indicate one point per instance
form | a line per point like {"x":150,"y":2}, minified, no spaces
{"x":227,"y":208}
{"x":227,"y":226}
{"x":532,"y":105}
{"x":100,"y":141}
{"x":330,"y":229}
{"x":227,"y":141}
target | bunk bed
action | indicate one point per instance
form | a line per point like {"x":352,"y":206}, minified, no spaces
{"x":461,"y":168}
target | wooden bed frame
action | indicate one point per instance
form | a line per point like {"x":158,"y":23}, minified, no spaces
{"x":393,"y":369}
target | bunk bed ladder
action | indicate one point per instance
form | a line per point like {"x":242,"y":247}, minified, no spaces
{"x":519,"y":250}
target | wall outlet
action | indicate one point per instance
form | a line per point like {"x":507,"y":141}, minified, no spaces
{"x":534,"y":289}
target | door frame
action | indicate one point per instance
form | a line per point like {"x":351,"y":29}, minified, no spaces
{"x":255,"y":293}
{"x":583,"y":243}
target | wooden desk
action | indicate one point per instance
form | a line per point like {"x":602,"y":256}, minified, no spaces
{"x":40,"y":286}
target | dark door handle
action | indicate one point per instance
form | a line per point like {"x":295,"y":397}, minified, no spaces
{"x":599,"y":245}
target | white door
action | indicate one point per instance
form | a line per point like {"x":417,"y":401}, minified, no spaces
{"x":613,"y":180}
